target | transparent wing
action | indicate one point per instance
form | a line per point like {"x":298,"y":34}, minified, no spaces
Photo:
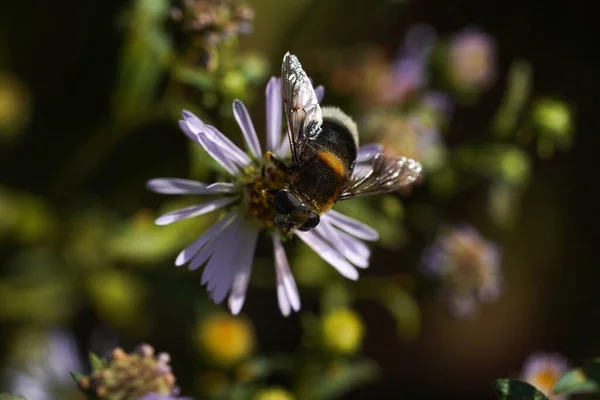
{"x":381,"y":174}
{"x":301,"y":106}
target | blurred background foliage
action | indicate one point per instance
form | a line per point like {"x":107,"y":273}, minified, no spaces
{"x":494,"y":98}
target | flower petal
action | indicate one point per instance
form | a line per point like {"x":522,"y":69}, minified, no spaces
{"x":189,"y":252}
{"x":227,"y":146}
{"x":240,"y":112}
{"x":285,"y":279}
{"x":352,"y":249}
{"x":284,"y":151}
{"x":187,"y":186}
{"x":320,"y":92}
{"x":220,"y":283}
{"x":213,"y":149}
{"x":241,"y":277}
{"x":282,"y":300}
{"x":195,"y":124}
{"x":203,"y":255}
{"x":274,"y":109}
{"x":327,"y":253}
{"x":366,"y":152}
{"x":193,"y":127}
{"x":351,"y":226}
{"x":194,"y":211}
{"x":222,"y":249}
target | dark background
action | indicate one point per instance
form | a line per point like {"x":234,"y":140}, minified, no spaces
{"x":66,"y":52}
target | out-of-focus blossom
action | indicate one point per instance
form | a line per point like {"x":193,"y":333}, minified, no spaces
{"x":472,"y":61}
{"x":414,"y":136}
{"x":210,"y":22}
{"x":543,"y":371}
{"x":228,"y":247}
{"x":44,"y":373}
{"x":407,"y":73}
{"x":224,"y":339}
{"x":468,"y":267}
{"x":15,"y":106}
{"x":136,"y":375}
{"x":376,"y":80}
{"x":273,"y":393}
{"x":342,"y":331}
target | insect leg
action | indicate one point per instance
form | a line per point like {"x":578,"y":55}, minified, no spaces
{"x":278,"y":163}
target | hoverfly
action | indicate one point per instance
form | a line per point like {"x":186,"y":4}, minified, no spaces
{"x":326,"y":166}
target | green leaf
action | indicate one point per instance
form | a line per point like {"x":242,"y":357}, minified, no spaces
{"x":96,"y":362}
{"x":76,"y":376}
{"x":513,"y":389}
{"x":580,"y":380}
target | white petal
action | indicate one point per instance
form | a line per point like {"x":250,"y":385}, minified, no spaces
{"x":242,"y":275}
{"x":367,"y":152}
{"x":222,"y":249}
{"x":327,"y":253}
{"x":274,"y":110}
{"x":282,"y":299}
{"x":187,"y":186}
{"x":186,"y":254}
{"x":352,"y":249}
{"x":240,"y":112}
{"x":285,"y":279}
{"x":350,"y":225}
{"x":213,"y":149}
{"x":194,"y":211}
{"x":320,"y":92}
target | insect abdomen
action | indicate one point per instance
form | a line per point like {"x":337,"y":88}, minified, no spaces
{"x":320,"y":181}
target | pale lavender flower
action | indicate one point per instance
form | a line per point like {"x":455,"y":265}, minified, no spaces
{"x":46,"y":375}
{"x":468,"y":267}
{"x":472,"y":60}
{"x":228,"y":247}
{"x":407,"y":73}
{"x":543,"y":370}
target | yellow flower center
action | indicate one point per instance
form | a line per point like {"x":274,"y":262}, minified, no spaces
{"x":259,"y":184}
{"x":545,"y":380}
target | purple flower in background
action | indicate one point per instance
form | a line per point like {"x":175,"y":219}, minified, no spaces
{"x":46,"y":375}
{"x":407,"y":73}
{"x":543,"y":370}
{"x":468,"y":267}
{"x":228,"y":247}
{"x":472,"y":60}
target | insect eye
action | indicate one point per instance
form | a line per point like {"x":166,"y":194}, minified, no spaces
{"x":285,"y":202}
{"x":312,"y":221}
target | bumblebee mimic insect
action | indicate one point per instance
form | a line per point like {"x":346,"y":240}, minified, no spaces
{"x":326,"y":165}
